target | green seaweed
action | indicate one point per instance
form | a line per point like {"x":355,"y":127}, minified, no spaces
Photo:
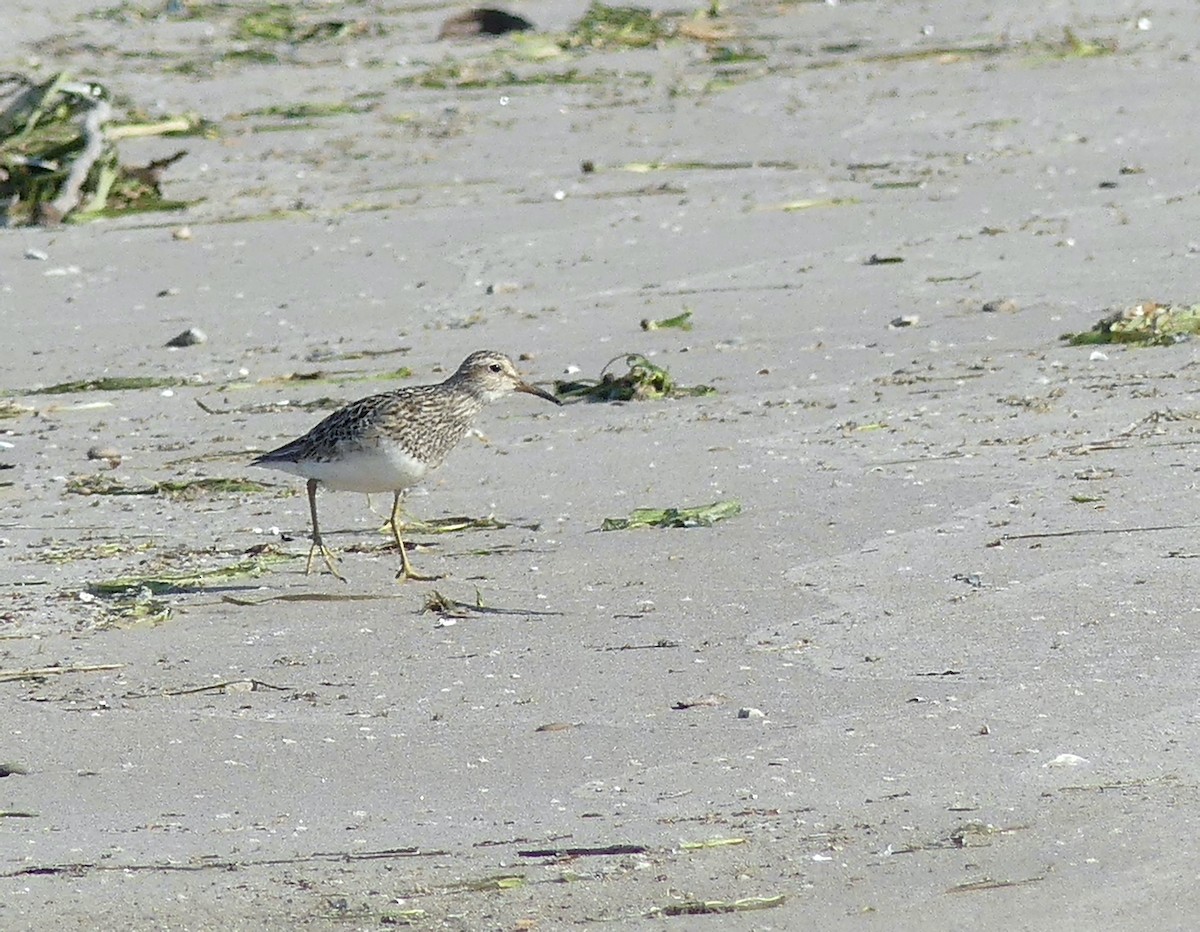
{"x":451,"y":525}
{"x":706,"y":907}
{"x":678,"y":322}
{"x":491,"y":74}
{"x":277,"y":22}
{"x":58,"y":157}
{"x":1072,"y":46}
{"x":114,"y":383}
{"x":253,"y":56}
{"x":307,"y":110}
{"x":138,"y":608}
{"x":604,"y":26}
{"x":167,"y":583}
{"x":496,"y":882}
{"x":731,"y":54}
{"x":10,"y":409}
{"x":274,"y":22}
{"x":1069,"y":46}
{"x":700,"y":516}
{"x":56,"y":552}
{"x":644,"y":381}
{"x":1145,"y":324}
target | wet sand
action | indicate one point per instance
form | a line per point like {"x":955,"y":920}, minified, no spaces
{"x":959,"y":592}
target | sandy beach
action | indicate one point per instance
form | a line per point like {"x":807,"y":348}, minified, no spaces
{"x":938,"y":673}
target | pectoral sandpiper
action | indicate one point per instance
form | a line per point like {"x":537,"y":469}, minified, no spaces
{"x":388,"y":442}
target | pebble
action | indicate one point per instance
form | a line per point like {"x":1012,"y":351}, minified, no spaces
{"x":182,"y":233}
{"x":748,"y":712}
{"x":39,"y":254}
{"x":110,"y":455}
{"x":189,"y":337}
{"x":1001,"y":306}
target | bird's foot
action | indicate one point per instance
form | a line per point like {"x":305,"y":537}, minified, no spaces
{"x":407,"y":572}
{"x":327,"y":555}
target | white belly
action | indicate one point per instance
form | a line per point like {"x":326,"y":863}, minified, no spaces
{"x":378,"y":469}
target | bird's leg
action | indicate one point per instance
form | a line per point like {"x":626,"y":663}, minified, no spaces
{"x":318,"y":545}
{"x":406,"y":570}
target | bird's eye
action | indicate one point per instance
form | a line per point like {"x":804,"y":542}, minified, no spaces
{"x":496,"y":367}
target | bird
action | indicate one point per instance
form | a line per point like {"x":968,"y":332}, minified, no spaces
{"x":389,"y":442}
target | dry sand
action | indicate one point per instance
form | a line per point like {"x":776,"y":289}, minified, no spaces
{"x":959,"y":592}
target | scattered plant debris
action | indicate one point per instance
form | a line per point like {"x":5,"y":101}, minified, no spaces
{"x":602,"y":851}
{"x":700,"y":516}
{"x":604,"y":26}
{"x":1147,"y":324}
{"x":306,"y":111}
{"x":454,"y":525}
{"x":40,"y":673}
{"x":810,"y":204}
{"x":337,"y":377}
{"x":113,"y":383}
{"x":643,"y":381}
{"x":678,"y":322}
{"x":243,"y":685}
{"x":57,"y":552}
{"x":307,"y":597}
{"x":447,"y":607}
{"x":707,"y":701}
{"x":657,"y":645}
{"x":711,"y":843}
{"x":173,"y":488}
{"x":277,"y":22}
{"x":493,"y":73}
{"x":58,"y":158}
{"x":988,"y":883}
{"x":496,"y":882}
{"x":704,"y":907}
{"x":134,"y":609}
{"x":1072,"y":46}
{"x":10,"y":409}
{"x":643,"y":168}
{"x":165,"y":583}
{"x":324,"y":403}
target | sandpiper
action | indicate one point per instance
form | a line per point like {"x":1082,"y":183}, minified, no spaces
{"x":388,"y":442}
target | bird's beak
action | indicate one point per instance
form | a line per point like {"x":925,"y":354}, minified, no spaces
{"x":534,"y":390}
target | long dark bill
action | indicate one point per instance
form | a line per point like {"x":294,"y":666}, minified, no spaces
{"x":534,"y":390}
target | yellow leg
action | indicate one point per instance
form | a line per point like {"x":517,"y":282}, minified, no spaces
{"x":406,"y":570}
{"x":318,"y":545}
